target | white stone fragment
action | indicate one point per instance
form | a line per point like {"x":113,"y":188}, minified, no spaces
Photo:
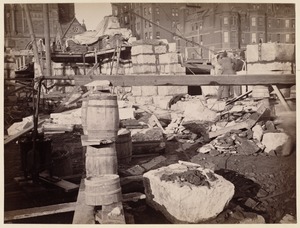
{"x":187,"y":203}
{"x":257,"y":132}
{"x":274,"y":140}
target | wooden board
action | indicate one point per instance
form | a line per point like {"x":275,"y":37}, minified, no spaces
{"x":66,"y":185}
{"x":38,"y":211}
{"x":190,"y":80}
{"x":15,"y":136}
{"x":84,"y":214}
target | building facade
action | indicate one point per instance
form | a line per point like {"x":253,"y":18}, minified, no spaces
{"x":214,"y":26}
{"x":61,"y":21}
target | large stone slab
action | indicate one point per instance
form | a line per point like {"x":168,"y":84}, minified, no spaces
{"x":172,"y":90}
{"x":271,"y":52}
{"x":270,"y":68}
{"x":191,"y":201}
{"x":142,"y":49}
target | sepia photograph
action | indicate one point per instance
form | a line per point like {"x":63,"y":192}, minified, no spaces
{"x":148,"y":112}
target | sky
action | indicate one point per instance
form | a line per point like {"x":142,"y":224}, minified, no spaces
{"x":92,"y":13}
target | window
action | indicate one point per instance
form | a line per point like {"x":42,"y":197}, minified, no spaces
{"x":278,"y":38}
{"x":269,"y":23}
{"x":157,"y":10}
{"x":126,"y":19}
{"x":269,"y":38}
{"x":261,"y":37}
{"x":225,"y":38}
{"x":225,"y":20}
{"x":173,"y":24}
{"x":157,"y":21}
{"x":253,"y":38}
{"x":293,"y":38}
{"x":234,"y":21}
{"x":287,"y":23}
{"x":200,"y":26}
{"x":115,"y":12}
{"x":260,"y":21}
{"x":278,"y":22}
{"x":293,"y":23}
{"x":145,"y":11}
{"x":146,"y":35}
{"x":150,"y":35}
{"x":243,"y":38}
{"x":150,"y":10}
{"x":287,"y":38}
{"x":233,"y":37}
{"x":253,"y":21}
{"x":157,"y":35}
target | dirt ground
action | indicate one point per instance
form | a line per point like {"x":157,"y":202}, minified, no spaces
{"x":264,"y":184}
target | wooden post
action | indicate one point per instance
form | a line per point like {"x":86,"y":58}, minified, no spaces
{"x":32,"y":36}
{"x":47,"y":39}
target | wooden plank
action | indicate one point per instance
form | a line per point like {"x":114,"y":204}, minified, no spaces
{"x":133,"y":196}
{"x":224,"y":130}
{"x":15,"y":136}
{"x":38,"y":211}
{"x":66,"y":185}
{"x":84,"y":214}
{"x":249,"y":123}
{"x":190,"y":80}
{"x":281,"y":98}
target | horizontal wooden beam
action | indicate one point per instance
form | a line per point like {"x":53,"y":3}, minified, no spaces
{"x":38,"y":211}
{"x":189,"y":80}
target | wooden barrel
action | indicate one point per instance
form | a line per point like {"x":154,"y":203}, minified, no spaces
{"x":102,"y":190}
{"x":83,"y":115}
{"x":102,"y":116}
{"x":124,"y":146}
{"x":100,"y":160}
{"x":260,"y":91}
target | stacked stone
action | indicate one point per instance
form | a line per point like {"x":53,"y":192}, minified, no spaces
{"x":155,"y":57}
{"x":124,"y":68}
{"x":270,"y":58}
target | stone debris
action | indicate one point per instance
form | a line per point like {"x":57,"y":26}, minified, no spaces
{"x":187,"y":194}
{"x":272,"y":141}
{"x":152,"y":163}
{"x":288,"y":219}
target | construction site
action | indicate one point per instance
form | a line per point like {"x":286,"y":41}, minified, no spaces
{"x":164,"y":113}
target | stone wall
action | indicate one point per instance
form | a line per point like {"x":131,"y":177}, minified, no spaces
{"x":158,"y":57}
{"x":270,"y":58}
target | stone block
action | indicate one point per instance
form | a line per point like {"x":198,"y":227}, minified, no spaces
{"x":134,"y":59}
{"x":126,"y":113}
{"x":149,"y":90}
{"x":168,"y":58}
{"x":172,"y":47}
{"x":180,"y":69}
{"x":146,"y":59}
{"x":271,"y":52}
{"x":257,"y":132}
{"x":141,"y":49}
{"x":161,"y":49}
{"x":144,"y":100}
{"x":136,"y":91}
{"x":162,"y":101}
{"x":183,"y":201}
{"x":270,"y":68}
{"x":273,"y":141}
{"x":171,"y":90}
{"x":196,"y":111}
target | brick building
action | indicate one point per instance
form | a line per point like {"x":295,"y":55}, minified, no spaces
{"x":62,"y":21}
{"x":215,"y":26}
